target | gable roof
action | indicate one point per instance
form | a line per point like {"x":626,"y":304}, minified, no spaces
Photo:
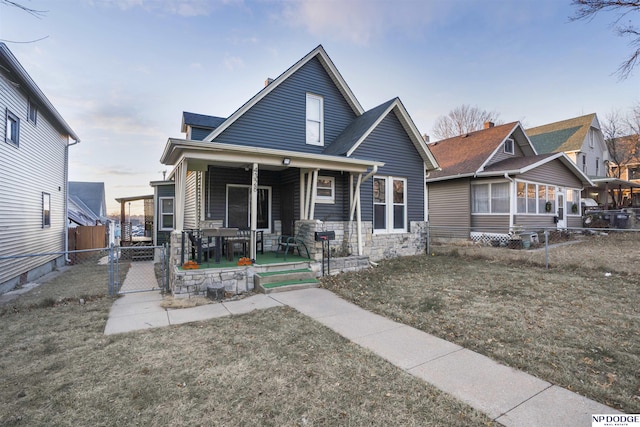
{"x":91,"y":194}
{"x":358,"y":130}
{"x":79,"y":213}
{"x":200,"y":120}
{"x":563,"y":136}
{"x":520,"y":165}
{"x":327,"y":64}
{"x":467,"y":155}
{"x":23,"y":80}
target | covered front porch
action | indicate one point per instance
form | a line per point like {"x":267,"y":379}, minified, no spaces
{"x":265,"y":190}
{"x":236,"y":277}
{"x":271,"y":196}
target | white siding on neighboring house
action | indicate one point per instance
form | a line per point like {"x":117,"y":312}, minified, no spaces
{"x":34,"y":167}
{"x":593,"y":154}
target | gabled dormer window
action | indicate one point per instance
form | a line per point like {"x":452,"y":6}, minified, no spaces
{"x":508,"y":146}
{"x":315,"y":120}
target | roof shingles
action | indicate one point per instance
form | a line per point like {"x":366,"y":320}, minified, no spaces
{"x":465,"y":154}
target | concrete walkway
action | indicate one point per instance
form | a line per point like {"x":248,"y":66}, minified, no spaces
{"x":508,"y":396}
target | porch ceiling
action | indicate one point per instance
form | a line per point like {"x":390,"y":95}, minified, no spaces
{"x":201,"y":154}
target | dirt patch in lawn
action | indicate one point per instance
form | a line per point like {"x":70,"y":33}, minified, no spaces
{"x":270,"y":367}
{"x":576,"y":325}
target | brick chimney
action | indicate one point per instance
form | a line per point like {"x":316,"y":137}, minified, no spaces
{"x":268,"y":82}
{"x":488,"y":125}
{"x":425,"y":138}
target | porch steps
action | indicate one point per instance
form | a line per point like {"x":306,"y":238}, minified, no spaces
{"x":285,"y":280}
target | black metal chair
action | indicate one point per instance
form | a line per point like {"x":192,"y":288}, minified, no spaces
{"x":291,"y":243}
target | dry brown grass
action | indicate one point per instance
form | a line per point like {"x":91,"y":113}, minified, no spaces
{"x":572,"y":325}
{"x":273,"y":367}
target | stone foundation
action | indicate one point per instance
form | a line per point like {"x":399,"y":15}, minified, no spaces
{"x":375,"y":246}
{"x":187,"y":283}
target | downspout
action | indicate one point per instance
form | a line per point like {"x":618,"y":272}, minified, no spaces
{"x":66,"y":199}
{"x":506,"y":176}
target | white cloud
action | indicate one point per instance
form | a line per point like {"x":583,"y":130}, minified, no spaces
{"x":233,"y":63}
{"x":361,"y":21}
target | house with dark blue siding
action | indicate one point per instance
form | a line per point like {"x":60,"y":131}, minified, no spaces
{"x":301,"y":156}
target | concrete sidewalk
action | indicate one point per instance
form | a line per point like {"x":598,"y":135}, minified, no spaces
{"x":508,"y":396}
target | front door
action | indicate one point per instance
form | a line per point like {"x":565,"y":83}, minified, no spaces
{"x":239,"y":207}
{"x":560,"y":213}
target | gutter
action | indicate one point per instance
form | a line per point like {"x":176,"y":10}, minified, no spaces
{"x":66,"y":199}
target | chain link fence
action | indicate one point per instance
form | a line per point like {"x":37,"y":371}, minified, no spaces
{"x":590,"y":248}
{"x":86,"y":273}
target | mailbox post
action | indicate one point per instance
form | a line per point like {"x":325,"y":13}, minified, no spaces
{"x":325,"y":237}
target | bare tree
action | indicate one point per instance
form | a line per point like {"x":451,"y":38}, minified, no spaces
{"x":34,"y":12}
{"x":622,"y":150}
{"x":462,"y":120}
{"x":587,"y":9}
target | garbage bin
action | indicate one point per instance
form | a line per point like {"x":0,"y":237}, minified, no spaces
{"x":622,"y":220}
{"x":527,"y":239}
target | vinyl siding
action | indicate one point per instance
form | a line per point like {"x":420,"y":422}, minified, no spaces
{"x":529,"y":221}
{"x":450,"y":204}
{"x":389,"y":143}
{"x":279,"y":119}
{"x":490,"y":223}
{"x":553,"y":172}
{"x":190,"y":212}
{"x":198,"y":134}
{"x":501,"y":155}
{"x":217,"y":179}
{"x":339,"y":210}
{"x":36,"y":166}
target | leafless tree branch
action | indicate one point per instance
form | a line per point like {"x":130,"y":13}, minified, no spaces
{"x":588,"y":9}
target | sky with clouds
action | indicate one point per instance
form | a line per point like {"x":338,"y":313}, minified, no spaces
{"x":121,"y":72}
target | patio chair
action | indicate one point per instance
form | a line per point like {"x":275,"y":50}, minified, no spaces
{"x":200,"y":248}
{"x":243,"y":238}
{"x":291,"y":243}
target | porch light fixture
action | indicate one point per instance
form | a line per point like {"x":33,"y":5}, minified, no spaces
{"x":286,"y":161}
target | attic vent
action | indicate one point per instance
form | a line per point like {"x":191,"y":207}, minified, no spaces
{"x":268,"y":81}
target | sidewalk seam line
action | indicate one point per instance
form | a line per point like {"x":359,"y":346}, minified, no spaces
{"x":436,"y":358}
{"x":524,"y":401}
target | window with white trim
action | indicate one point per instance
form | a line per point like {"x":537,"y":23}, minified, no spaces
{"x":389,"y":204}
{"x":167,"y":213}
{"x":12,"y":129}
{"x":490,"y":198}
{"x":325,"y":189}
{"x":534,"y":198}
{"x":573,"y":202}
{"x":508,"y":146}
{"x":32,"y":112}
{"x":46,"y":210}
{"x":315,"y":119}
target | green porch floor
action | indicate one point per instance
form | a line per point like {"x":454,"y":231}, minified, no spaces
{"x":261,"y":259}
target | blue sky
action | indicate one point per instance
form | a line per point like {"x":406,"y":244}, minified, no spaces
{"x":121,"y":72}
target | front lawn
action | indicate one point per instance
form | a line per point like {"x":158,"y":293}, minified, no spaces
{"x":573,"y":325}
